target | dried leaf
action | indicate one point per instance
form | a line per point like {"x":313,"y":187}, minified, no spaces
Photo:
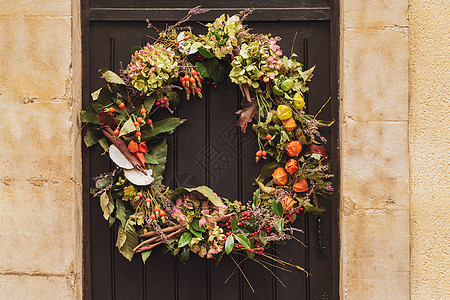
{"x":246,"y":114}
{"x":107,"y":120}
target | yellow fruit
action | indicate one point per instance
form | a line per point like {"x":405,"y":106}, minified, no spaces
{"x":284,"y":112}
{"x":299,"y":102}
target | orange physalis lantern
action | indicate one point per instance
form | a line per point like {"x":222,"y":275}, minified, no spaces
{"x":287,"y":203}
{"x":294,"y":148}
{"x":289,"y":124}
{"x":291,"y":166}
{"x":300,"y":186}
{"x":279,"y":176}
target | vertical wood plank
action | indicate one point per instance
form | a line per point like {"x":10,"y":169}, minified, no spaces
{"x":192,"y":276}
{"x":223,"y":175}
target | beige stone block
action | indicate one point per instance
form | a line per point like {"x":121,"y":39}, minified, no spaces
{"x":30,"y":7}
{"x":375,"y":165}
{"x":36,"y":58}
{"x":375,"y":75}
{"x":375,"y":255}
{"x":36,"y":227}
{"x":43,"y":286}
{"x":375,"y":13}
{"x":36,"y":141}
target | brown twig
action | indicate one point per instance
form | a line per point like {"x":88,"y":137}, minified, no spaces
{"x":165,"y":230}
{"x":159,"y":241}
{"x":120,"y":144}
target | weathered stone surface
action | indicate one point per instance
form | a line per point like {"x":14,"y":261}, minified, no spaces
{"x":375,"y":255}
{"x":37,"y":287}
{"x":375,"y":165}
{"x":36,"y":141}
{"x":375,"y":13}
{"x":36,"y":58}
{"x":36,"y":224}
{"x":41,"y":8}
{"x":375,"y":75}
{"x":429,"y":137}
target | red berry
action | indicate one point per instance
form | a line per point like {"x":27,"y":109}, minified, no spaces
{"x":112,"y":109}
{"x":198,"y":90}
{"x":259,"y":153}
{"x":143,"y":110}
{"x":192,"y":80}
{"x":148,"y":200}
{"x":138,"y":133}
{"x":162,"y":213}
{"x":264,"y":153}
{"x":157,"y":103}
{"x":122,"y":105}
{"x":140,"y":120}
{"x":194,"y":73}
{"x":187,"y":77}
{"x":136,"y":124}
{"x":268,"y":137}
{"x":116,"y":132}
{"x":165,"y":99}
{"x":139,"y":194}
{"x":149,"y":121}
{"x":153,"y":216}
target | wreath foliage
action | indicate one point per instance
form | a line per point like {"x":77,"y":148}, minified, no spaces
{"x":185,"y":220}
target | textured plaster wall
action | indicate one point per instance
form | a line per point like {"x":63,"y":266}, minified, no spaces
{"x":374,"y":216}
{"x":430,"y":148}
{"x":40,"y":169}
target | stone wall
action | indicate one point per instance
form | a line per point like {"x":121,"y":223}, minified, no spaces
{"x":374,"y":217}
{"x":429,"y":141}
{"x":40,"y":163}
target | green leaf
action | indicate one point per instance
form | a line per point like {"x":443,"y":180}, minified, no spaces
{"x":184,"y":239}
{"x":121,"y":212}
{"x":229,"y":244}
{"x":145,"y":255}
{"x":157,"y":158}
{"x":280,"y":242}
{"x":280,"y":225}
{"x":111,"y":77}
{"x":201,"y":69}
{"x":134,"y":49}
{"x":185,"y":252}
{"x":127,"y":239}
{"x":92,"y":136}
{"x":104,"y":143}
{"x":167,"y":125}
{"x":316,"y":156}
{"x":280,"y":209}
{"x":111,"y":221}
{"x":276,"y":209}
{"x":234,"y":223}
{"x":219,"y":257}
{"x":205,"y":52}
{"x":243,"y":240}
{"x":195,"y":232}
{"x":267,"y":170}
{"x":313,"y":209}
{"x":208,"y":193}
{"x":106,"y":204}
{"x":250,"y":254}
{"x":89,"y":116}
{"x":196,"y":226}
{"x":127,"y":127}
{"x":95,"y":94}
{"x":129,"y":193}
{"x":149,"y":102}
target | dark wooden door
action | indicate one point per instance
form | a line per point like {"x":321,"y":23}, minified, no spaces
{"x":210,"y":150}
